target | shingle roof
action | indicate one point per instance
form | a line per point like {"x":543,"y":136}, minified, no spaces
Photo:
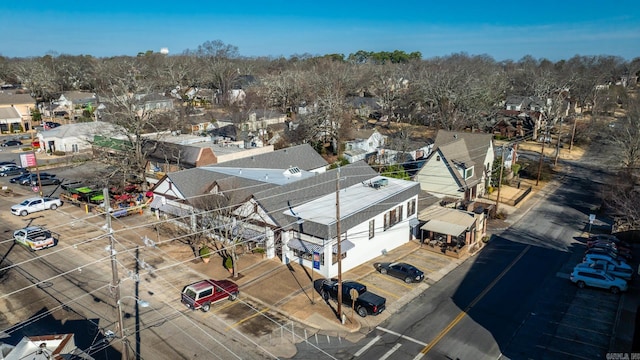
{"x":9,"y":113}
{"x":11,"y":98}
{"x":464,"y":148}
{"x":275,"y":201}
{"x":303,"y":156}
{"x":174,"y":153}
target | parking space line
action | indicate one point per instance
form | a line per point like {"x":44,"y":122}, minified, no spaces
{"x":380,"y":290}
{"x":367,"y":346}
{"x":399,"y":282}
{"x":246,"y":319}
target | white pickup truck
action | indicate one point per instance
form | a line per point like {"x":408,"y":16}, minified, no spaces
{"x":35,"y":238}
{"x":35,"y":204}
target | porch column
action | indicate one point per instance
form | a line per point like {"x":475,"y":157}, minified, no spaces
{"x":286,"y":252}
{"x":269,"y":243}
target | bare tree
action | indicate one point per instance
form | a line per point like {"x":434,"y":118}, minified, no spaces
{"x":125,"y":88}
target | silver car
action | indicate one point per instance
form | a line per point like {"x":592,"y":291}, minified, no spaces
{"x":612,"y":269}
{"x":597,"y":278}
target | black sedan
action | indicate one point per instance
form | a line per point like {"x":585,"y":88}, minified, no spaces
{"x":406,"y":272}
{"x":11,"y":143}
{"x":19,"y":178}
{"x":10,"y":170}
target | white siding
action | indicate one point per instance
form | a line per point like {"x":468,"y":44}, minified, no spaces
{"x":436,"y":178}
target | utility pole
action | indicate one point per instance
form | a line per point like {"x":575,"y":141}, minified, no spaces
{"x":573,"y":132}
{"x":500,"y":177}
{"x":544,"y":138}
{"x":558,"y":144}
{"x":339,"y":245}
{"x":115,"y":280}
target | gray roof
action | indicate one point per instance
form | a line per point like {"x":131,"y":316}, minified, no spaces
{"x":197,"y":181}
{"x":319,"y":211}
{"x":276,"y":201}
{"x":303,"y":156}
{"x":464,"y":149}
{"x":185,"y":155}
{"x":7,"y":113}
{"x":11,"y":98}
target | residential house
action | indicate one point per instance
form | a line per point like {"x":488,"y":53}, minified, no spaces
{"x":10,"y":120}
{"x":459,"y":167}
{"x":366,"y":144}
{"x":75,"y":100}
{"x":153,"y":102}
{"x":73,"y":138}
{"x":363,"y":106}
{"x":525,"y":103}
{"x":22,"y":103}
{"x":256,"y":121}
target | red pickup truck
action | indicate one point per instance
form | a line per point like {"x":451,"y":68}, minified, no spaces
{"x":201,"y":294}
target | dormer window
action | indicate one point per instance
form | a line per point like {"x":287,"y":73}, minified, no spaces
{"x":468,"y":172}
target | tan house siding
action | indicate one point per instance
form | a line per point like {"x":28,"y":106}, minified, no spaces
{"x":206,"y":157}
{"x":23,"y":103}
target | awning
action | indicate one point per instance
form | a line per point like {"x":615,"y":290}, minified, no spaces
{"x":304,"y":246}
{"x":442,"y":227}
{"x":345,"y":245}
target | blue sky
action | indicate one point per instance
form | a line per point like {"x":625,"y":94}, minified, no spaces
{"x":544,"y":29}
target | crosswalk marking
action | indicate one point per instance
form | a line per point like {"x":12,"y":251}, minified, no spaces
{"x":366,"y":347}
{"x":421,"y":343}
{"x":388,"y":353}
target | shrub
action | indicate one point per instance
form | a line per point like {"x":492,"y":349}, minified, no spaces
{"x":205,"y":252}
{"x":59,"y":153}
{"x":258,"y":251}
{"x":228,"y":263}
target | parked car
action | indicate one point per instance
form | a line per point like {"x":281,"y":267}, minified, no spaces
{"x":597,"y":278}
{"x":200,"y":295}
{"x":35,"y":204}
{"x":19,"y":178}
{"x":609,"y":245}
{"x":45,"y":180}
{"x":609,"y":251}
{"x":32,"y":177}
{"x":11,"y":170}
{"x":367,"y":303}
{"x":400,"y":270}
{"x":612,"y":269}
{"x":35,"y":238}
{"x":50,"y":125}
{"x":11,"y":143}
{"x":3,"y":163}
{"x":610,"y":238}
{"x":595,"y":257}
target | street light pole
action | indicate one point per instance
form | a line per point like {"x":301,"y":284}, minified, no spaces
{"x":115,"y":280}
{"x":500,"y":177}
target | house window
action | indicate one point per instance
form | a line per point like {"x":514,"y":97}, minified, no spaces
{"x":392,"y":217}
{"x":468,"y":172}
{"x":411,"y":207}
{"x":307,"y":255}
{"x":372,"y":227}
{"x":334,"y":257}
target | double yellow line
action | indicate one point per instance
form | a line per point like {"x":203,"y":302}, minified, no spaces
{"x":462,"y":314}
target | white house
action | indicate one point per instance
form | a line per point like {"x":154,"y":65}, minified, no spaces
{"x":75,"y":137}
{"x":358,"y":149}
